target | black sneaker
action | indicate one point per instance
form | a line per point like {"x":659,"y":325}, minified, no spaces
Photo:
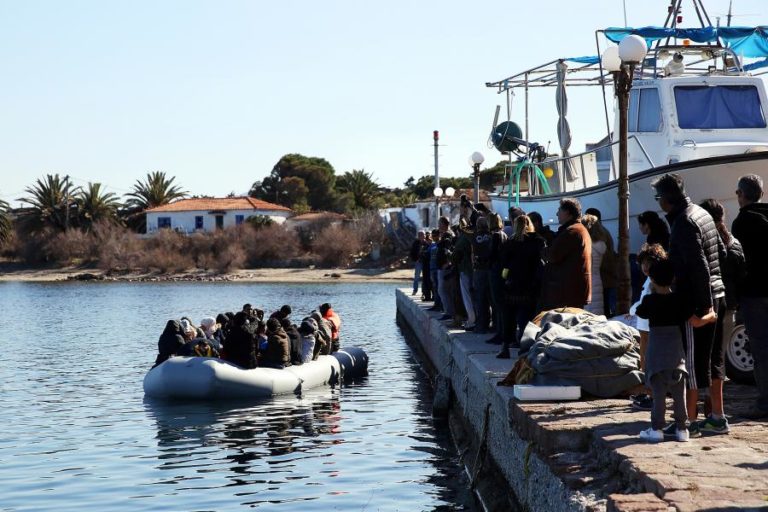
{"x":670,"y":431}
{"x":643,"y":404}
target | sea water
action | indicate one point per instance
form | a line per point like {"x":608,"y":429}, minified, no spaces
{"x":76,"y":432}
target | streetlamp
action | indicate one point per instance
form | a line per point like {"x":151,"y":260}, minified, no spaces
{"x":475,"y":159}
{"x":439,"y":193}
{"x":621,"y":62}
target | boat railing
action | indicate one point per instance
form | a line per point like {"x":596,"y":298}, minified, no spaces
{"x":569,"y":173}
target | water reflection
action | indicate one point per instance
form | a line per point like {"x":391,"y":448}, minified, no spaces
{"x":246,"y":432}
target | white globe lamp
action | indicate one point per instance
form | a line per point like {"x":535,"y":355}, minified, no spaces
{"x":633,"y":49}
{"x":610,"y":59}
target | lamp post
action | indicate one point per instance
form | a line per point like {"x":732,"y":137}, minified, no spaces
{"x":475,"y":160}
{"x":621,"y":62}
{"x":439,"y":193}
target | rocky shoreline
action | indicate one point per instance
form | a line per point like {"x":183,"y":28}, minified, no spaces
{"x":266,"y":275}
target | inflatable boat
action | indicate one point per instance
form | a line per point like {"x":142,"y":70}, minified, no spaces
{"x":206,"y":377}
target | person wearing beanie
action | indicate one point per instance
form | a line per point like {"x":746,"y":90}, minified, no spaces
{"x":278,"y":352}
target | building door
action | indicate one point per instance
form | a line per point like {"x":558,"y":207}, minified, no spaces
{"x":219,"y":222}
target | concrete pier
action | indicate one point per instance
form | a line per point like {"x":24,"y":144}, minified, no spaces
{"x":585,"y":455}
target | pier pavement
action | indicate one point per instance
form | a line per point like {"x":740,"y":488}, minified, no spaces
{"x":585,"y":455}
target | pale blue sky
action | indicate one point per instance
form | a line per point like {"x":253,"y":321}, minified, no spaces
{"x":214,"y":92}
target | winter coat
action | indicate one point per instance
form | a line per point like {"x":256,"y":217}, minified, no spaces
{"x":523,"y":261}
{"x":568,"y":272}
{"x":170,"y":342}
{"x":695,"y":249}
{"x":462,"y":254}
{"x":482,"y":244}
{"x":240,"y":347}
{"x":734,"y":272}
{"x":278,"y":353}
{"x":295,"y":344}
{"x":750,"y":227}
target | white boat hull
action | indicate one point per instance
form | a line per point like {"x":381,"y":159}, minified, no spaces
{"x":210,"y":378}
{"x":705,"y":178}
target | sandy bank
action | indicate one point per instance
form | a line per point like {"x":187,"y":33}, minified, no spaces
{"x":264,"y":275}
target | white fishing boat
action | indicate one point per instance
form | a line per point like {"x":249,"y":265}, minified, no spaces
{"x":696,"y":108}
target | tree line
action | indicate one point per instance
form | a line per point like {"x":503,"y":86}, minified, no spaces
{"x":54,"y":203}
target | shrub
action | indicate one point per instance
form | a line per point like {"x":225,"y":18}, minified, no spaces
{"x":70,"y":246}
{"x":270,"y":243}
{"x":117,"y":248}
{"x":337,"y":245}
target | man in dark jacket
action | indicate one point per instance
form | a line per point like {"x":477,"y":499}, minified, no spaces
{"x":695,"y":249}
{"x":750,"y":227}
{"x":568,"y":272}
{"x":415,"y":254}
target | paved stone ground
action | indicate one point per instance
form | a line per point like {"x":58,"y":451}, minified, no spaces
{"x":717,"y":472}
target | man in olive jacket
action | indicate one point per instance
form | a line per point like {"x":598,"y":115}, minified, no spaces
{"x":750,"y":227}
{"x":568,"y":271}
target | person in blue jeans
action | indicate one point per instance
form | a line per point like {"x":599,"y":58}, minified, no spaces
{"x":750,"y":227}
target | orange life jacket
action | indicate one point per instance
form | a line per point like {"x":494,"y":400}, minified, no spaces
{"x":335,"y":322}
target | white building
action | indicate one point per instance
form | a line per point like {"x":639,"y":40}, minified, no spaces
{"x":209,"y":214}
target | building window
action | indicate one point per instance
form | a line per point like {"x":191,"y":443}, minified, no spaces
{"x":163,"y":223}
{"x":239,"y":219}
{"x":198,"y":222}
{"x":219,"y":222}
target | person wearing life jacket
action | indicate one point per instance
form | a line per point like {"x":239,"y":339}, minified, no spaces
{"x":333,"y":319}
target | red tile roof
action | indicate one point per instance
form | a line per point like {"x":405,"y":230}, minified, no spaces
{"x":226,"y":203}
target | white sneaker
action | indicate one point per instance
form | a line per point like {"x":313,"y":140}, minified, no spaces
{"x":682,"y":435}
{"x":652,"y":436}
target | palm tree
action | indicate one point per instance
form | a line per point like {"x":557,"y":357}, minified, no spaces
{"x":157,"y":190}
{"x":5,"y":222}
{"x":360,"y":185}
{"x":94,"y":205}
{"x":52,"y":200}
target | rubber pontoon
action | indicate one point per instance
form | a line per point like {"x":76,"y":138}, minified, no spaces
{"x":207,"y":377}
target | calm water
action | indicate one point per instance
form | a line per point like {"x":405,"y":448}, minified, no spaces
{"x":77,"y":434}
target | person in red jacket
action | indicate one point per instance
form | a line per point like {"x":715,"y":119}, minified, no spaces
{"x":330,"y":315}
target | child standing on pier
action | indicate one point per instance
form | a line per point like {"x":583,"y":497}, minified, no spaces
{"x":665,"y":371}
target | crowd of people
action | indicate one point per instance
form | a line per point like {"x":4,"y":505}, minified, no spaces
{"x":488,"y":276}
{"x":249,"y":340}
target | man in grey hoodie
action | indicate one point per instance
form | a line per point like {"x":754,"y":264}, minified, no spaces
{"x":750,"y":227}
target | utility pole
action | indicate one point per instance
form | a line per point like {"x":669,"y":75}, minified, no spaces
{"x":66,"y":204}
{"x":436,"y":138}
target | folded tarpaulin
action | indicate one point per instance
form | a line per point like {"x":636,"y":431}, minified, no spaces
{"x":751,"y":42}
{"x":583,"y":349}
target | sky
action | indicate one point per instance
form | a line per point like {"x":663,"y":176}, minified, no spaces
{"x":215,"y":92}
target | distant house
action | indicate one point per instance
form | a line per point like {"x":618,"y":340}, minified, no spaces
{"x":209,"y":214}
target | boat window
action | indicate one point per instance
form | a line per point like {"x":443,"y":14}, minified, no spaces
{"x":721,"y":107}
{"x":644,"y":110}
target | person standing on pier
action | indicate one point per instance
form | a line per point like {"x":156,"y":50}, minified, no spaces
{"x":462,"y":260}
{"x":568,"y":272}
{"x":415,"y":255}
{"x":750,"y":227}
{"x":694,"y":249}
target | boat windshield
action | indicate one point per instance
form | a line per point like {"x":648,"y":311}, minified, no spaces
{"x":721,"y":107}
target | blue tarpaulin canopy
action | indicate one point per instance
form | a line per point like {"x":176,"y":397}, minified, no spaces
{"x":751,"y":42}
